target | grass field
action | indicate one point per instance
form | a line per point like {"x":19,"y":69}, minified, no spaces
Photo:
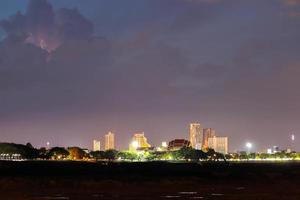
{"x":151,"y":180}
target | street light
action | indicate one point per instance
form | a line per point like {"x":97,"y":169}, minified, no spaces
{"x":249,"y":146}
{"x":135,"y":144}
{"x":293,"y":137}
{"x":164,"y":144}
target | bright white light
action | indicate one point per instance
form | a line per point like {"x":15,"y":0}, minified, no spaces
{"x":135,"y":144}
{"x":249,"y":145}
{"x":293,"y":137}
{"x":164,"y":144}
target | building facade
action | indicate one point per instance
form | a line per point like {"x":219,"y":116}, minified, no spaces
{"x":96,"y":145}
{"x":139,"y":141}
{"x":196,"y":135}
{"x":207,"y":133}
{"x":109,"y":141}
{"x":177,"y":144}
{"x":219,"y":144}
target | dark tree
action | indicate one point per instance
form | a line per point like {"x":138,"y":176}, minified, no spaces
{"x":58,"y":153}
{"x":110,"y":154}
{"x":98,"y":155}
{"x":76,"y":153}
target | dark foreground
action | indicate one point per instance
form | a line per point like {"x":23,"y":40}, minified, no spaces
{"x":81,"y":180}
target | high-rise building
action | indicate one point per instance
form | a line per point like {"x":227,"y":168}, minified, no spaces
{"x":109,"y":141}
{"x":219,"y":144}
{"x":196,"y":135}
{"x":96,"y":145}
{"x":207,"y":133}
{"x":139,"y":141}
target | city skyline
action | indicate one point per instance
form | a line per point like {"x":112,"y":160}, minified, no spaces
{"x":71,"y":69}
{"x":195,"y":130}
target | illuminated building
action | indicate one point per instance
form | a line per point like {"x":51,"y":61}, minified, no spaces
{"x":109,"y":141}
{"x":269,"y":151}
{"x":219,"y":144}
{"x":96,"y":145}
{"x":139,"y":141}
{"x":164,"y":144}
{"x":177,"y":144}
{"x":163,"y":147}
{"x":196,"y":135}
{"x":207,"y":133}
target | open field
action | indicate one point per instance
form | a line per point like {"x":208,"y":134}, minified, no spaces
{"x":154,"y":180}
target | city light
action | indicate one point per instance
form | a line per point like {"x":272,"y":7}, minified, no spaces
{"x":293,"y":137}
{"x":164,"y":144}
{"x":249,"y":145}
{"x":135,"y":144}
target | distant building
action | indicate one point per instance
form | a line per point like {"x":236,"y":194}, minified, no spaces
{"x":139,"y":141}
{"x":109,"y":141}
{"x":276,"y":149}
{"x":288,"y":150}
{"x":219,"y":144}
{"x":207,"y":133}
{"x":87,"y":151}
{"x":164,"y":144}
{"x":163,"y":147}
{"x":196,"y":135}
{"x":269,"y":151}
{"x":96,"y":145}
{"x":177,"y":144}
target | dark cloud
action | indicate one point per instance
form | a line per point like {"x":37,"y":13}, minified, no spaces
{"x":46,"y":28}
{"x":291,"y":2}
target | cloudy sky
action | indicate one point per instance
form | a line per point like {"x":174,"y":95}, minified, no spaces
{"x":71,"y":70}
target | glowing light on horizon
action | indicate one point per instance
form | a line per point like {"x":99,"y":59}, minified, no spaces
{"x":293,"y":137}
{"x":135,"y":144}
{"x":164,"y":144}
{"x":249,"y":146}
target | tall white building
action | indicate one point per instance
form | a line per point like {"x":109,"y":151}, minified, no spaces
{"x":96,"y":145}
{"x":219,"y":144}
{"x":109,"y":141}
{"x":196,"y":135}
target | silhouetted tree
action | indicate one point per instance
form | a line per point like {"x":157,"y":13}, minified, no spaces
{"x":58,"y":153}
{"x":127,"y":155}
{"x":43,"y":153}
{"x":76,"y":153}
{"x":29,"y":145}
{"x":98,"y":155}
{"x":25,"y":151}
{"x":110,"y":154}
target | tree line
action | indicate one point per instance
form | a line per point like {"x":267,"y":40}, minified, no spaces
{"x":75,"y":153}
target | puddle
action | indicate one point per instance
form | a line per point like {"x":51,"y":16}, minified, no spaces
{"x":189,"y":193}
{"x":171,"y":196}
{"x":216,"y":194}
{"x":55,"y":198}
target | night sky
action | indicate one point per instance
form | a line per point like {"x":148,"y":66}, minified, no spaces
{"x":72,"y":70}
